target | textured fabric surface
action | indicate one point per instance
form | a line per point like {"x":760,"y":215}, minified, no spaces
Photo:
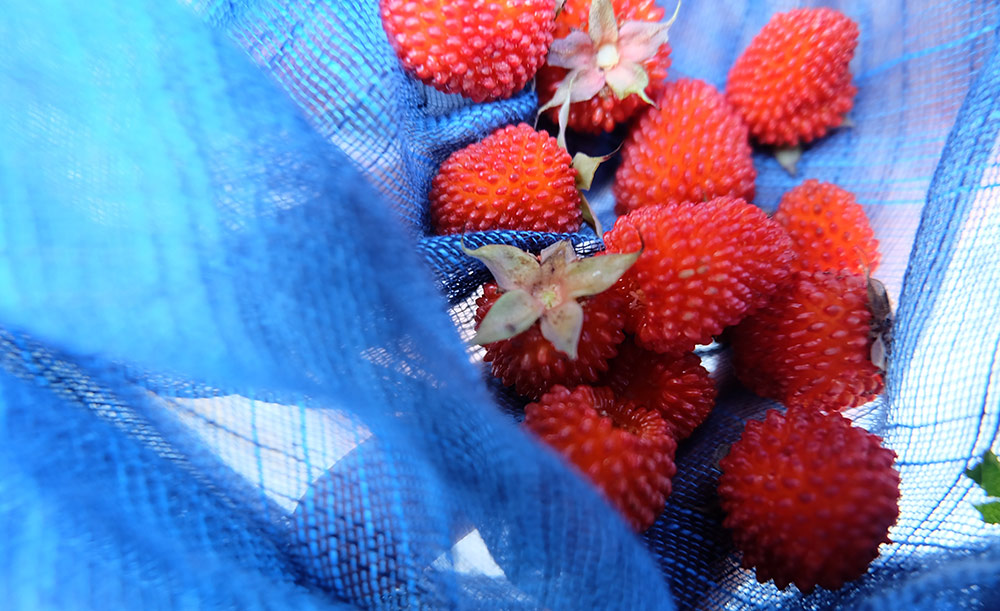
{"x":232,"y":362}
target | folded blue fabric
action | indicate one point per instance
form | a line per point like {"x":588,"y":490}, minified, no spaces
{"x":231,"y":374}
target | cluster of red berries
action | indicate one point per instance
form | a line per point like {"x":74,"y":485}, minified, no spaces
{"x":603,"y":346}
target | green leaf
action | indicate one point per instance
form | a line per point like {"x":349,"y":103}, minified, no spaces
{"x":514,"y":312}
{"x":990,"y":511}
{"x":987,"y":474}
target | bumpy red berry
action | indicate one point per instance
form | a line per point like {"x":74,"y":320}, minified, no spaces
{"x":704,"y":266}
{"x":602,"y":110}
{"x":690,"y":147}
{"x":829,"y":229}
{"x":482,"y":49}
{"x":532,"y":364}
{"x":679,"y":389}
{"x":626,"y":451}
{"x":515,"y":178}
{"x":811,"y":346}
{"x":793,"y":82}
{"x":809,"y":498}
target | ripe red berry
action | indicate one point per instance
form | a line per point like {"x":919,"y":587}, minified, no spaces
{"x":679,"y":389}
{"x":811,"y":346}
{"x":532,"y":364}
{"x":515,"y":178}
{"x":809,"y":498}
{"x":829,"y":229}
{"x":605,"y":110}
{"x":704,"y":266}
{"x":626,"y":451}
{"x":482,"y":49}
{"x":690,"y":147}
{"x":793,"y":82}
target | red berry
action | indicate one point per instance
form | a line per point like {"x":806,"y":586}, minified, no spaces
{"x":704,"y":266}
{"x":515,"y":178}
{"x":626,"y":451}
{"x":809,"y":498}
{"x":603,"y":111}
{"x":690,"y":147}
{"x":811,"y":346}
{"x":531,"y":364}
{"x":482,"y":49}
{"x":793,"y":82}
{"x":829,"y":230}
{"x":679,"y":389}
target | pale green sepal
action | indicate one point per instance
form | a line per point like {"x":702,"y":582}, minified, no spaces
{"x":563,"y":249}
{"x":513,"y":313}
{"x":512,"y":268}
{"x":562,"y":327}
{"x":626,"y":79}
{"x":586,"y":166}
{"x":589,"y":217}
{"x":603,"y":26}
{"x":593,"y":275}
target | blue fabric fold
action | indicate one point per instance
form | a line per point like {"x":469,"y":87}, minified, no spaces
{"x":232,"y":366}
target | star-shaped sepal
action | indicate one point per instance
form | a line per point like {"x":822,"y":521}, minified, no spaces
{"x":544,"y":289}
{"x":605,"y":55}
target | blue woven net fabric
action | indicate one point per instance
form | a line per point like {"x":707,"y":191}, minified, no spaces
{"x":232,"y":364}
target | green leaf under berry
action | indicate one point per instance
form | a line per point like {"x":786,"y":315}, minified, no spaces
{"x":987,"y":475}
{"x":990,"y":512}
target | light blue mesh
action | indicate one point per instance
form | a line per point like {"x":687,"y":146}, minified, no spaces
{"x":232,"y":369}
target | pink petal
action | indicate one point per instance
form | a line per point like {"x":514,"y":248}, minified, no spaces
{"x":574,"y":52}
{"x":640,"y":40}
{"x":588,"y":84}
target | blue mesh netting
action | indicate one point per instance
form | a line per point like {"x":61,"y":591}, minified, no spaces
{"x":230,"y":374}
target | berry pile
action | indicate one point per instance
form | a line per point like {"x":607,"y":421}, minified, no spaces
{"x":602,"y":348}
